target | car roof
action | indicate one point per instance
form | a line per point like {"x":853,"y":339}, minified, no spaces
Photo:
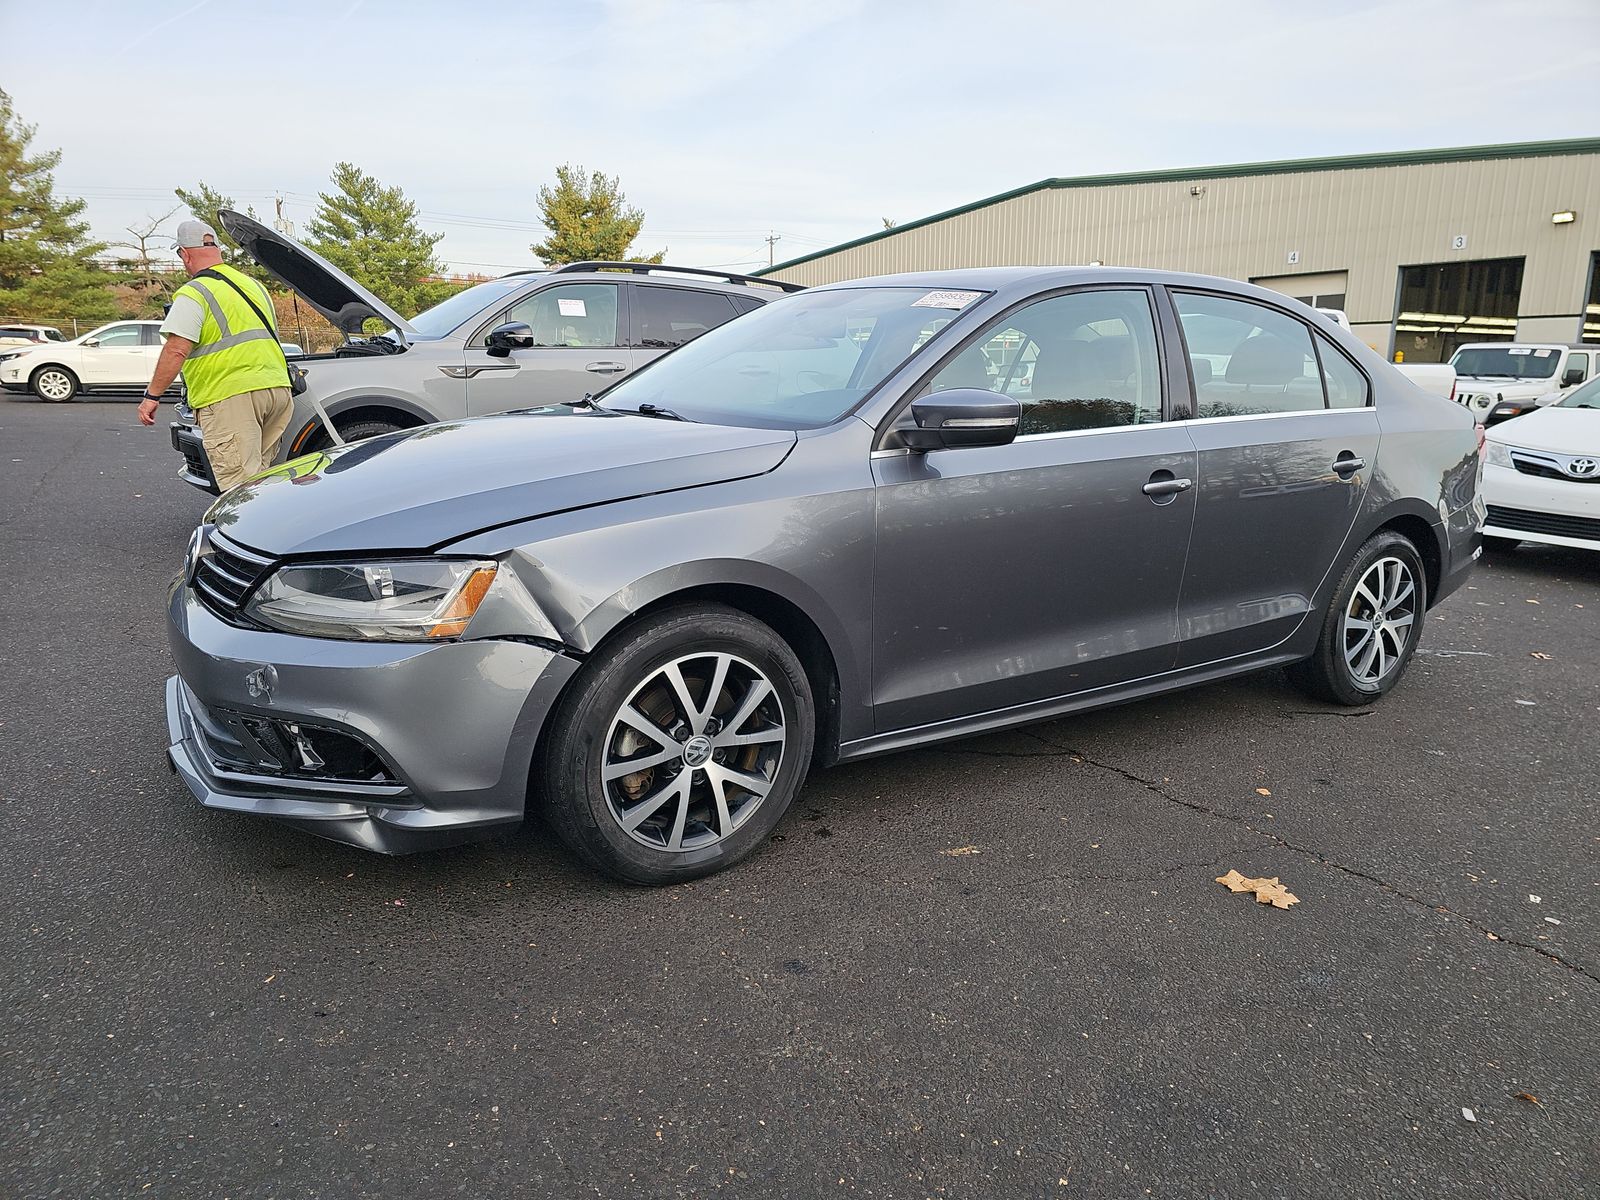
{"x":664,"y":273}
{"x":1031,"y":278}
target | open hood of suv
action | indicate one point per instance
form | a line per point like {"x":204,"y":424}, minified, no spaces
{"x":313,"y":278}
{"x":420,"y":489}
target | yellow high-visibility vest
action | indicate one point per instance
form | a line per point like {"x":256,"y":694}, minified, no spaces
{"x":235,"y":353}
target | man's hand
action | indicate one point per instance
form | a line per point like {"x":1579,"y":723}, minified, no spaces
{"x":147,"y":411}
{"x":167,"y":368}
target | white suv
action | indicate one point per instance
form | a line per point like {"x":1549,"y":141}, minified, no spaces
{"x":1490,"y":372}
{"x":120,"y":356}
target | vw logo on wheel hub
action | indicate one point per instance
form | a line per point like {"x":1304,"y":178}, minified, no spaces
{"x":1583,"y":466}
{"x":697,"y":751}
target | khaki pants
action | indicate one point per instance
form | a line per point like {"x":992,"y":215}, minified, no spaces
{"x":243,"y":433}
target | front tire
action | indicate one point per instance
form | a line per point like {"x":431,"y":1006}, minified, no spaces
{"x":360,"y":431}
{"x":680,"y":746}
{"x":54,"y":384}
{"x":1372,"y":626}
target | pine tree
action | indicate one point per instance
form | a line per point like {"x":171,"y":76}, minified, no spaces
{"x":588,"y":219}
{"x":47,"y":268}
{"x":371,"y":233}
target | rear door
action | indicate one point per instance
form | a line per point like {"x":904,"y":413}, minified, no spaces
{"x":579,"y":334}
{"x":662,"y":318}
{"x":116,"y":358}
{"x":1287,"y":440}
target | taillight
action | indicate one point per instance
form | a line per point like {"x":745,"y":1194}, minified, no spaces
{"x":1452,"y":389}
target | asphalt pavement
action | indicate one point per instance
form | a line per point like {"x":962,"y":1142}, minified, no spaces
{"x":999,"y":968}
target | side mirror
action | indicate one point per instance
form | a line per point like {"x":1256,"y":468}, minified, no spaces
{"x":1573,"y":377}
{"x":962,"y":417}
{"x":91,"y":341}
{"x":513,"y":335}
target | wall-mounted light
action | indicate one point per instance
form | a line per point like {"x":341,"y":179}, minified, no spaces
{"x":1196,"y":190}
{"x":1565,"y":217}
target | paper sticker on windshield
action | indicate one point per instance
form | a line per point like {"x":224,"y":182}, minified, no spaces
{"x":1519,"y":350}
{"x":572,"y":308}
{"x":947,"y":299}
{"x":1541,"y":353}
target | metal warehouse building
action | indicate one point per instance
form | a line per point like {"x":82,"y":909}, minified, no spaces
{"x":1423,"y":250}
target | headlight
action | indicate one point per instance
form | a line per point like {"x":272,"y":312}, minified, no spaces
{"x":408,"y":600}
{"x":1499,"y":455}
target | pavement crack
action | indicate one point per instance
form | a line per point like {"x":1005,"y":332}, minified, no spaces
{"x":1151,"y":785}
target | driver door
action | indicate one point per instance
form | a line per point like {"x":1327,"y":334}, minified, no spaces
{"x":578,"y":348}
{"x":1013,"y":574}
{"x":117,"y":357}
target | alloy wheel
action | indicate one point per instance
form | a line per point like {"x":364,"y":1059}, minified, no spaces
{"x":54,"y":385}
{"x":693,"y":751}
{"x":1378,"y":620}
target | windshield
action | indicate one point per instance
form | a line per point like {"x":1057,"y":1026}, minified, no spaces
{"x":1514,"y":362}
{"x":1588,"y":396}
{"x":797,"y":363}
{"x":443,"y":318}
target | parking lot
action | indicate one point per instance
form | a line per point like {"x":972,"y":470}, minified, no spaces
{"x":1002,"y":967}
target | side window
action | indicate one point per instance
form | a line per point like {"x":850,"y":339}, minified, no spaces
{"x":571,"y":314}
{"x":666,"y":317}
{"x":1081,"y":361}
{"x":1247,"y":359}
{"x":1347,"y":387}
{"x":119,"y":335}
{"x":745,"y":303}
{"x":1581,"y":361}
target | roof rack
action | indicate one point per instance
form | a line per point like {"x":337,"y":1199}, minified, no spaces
{"x":640,"y":268}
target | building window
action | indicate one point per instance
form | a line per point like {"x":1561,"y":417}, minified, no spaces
{"x":1445,"y":305}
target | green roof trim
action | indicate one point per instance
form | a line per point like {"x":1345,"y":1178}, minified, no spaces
{"x":1291,"y":166}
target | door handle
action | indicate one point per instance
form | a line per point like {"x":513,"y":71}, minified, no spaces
{"x":606,"y":368}
{"x":1348,"y":464}
{"x":1167,"y":487}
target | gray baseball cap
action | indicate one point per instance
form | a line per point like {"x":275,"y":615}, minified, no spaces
{"x":195,"y":233}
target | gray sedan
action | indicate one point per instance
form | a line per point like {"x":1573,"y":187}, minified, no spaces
{"x":863,"y":518}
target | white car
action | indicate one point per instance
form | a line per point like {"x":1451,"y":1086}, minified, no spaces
{"x":114,"y":357}
{"x":29,"y":335}
{"x":1490,"y":373}
{"x":1541,"y":475}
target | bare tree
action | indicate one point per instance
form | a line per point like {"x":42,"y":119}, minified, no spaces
{"x":149,"y":281}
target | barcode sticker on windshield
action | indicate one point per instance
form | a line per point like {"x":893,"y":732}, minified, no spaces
{"x":572,"y":308}
{"x":947,"y":300}
{"x":1519,"y":350}
{"x":1541,"y":353}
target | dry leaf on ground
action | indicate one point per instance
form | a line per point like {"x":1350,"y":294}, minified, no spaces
{"x":958,"y":851}
{"x":1529,"y":1097}
{"x":1267,"y":889}
{"x":1263,"y":792}
{"x":1540,"y":654}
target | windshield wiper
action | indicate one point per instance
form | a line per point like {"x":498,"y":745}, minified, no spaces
{"x":585,"y":401}
{"x":655,"y":410}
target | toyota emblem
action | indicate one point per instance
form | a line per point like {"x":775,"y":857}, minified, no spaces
{"x":1583,"y":467}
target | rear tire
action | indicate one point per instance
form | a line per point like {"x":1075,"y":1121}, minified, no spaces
{"x":716,"y":710}
{"x":53,"y":384}
{"x":1372,"y":625}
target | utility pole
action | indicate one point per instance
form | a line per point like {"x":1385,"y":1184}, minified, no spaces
{"x":771,"y":239}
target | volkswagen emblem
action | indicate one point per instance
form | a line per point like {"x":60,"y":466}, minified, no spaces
{"x":1583,"y":467}
{"x":697,"y":751}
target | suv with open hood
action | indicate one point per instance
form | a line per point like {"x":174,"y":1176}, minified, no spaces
{"x":529,"y":338}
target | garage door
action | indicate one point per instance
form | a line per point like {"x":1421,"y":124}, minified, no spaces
{"x":1326,"y":290}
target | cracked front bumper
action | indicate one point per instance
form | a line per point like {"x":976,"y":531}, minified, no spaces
{"x":453,"y":724}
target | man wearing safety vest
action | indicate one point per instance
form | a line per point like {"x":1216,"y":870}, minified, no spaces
{"x":221,"y":333}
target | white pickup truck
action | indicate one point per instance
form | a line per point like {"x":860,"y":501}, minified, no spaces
{"x":1438,"y":379}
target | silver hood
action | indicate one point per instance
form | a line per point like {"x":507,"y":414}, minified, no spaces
{"x":313,"y":278}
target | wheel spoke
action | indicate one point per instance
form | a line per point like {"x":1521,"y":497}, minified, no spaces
{"x":1363,"y":668}
{"x":1351,"y":652}
{"x":1403,"y":623}
{"x":759,"y":691}
{"x":719,"y":680}
{"x":720,"y":798}
{"x":750,"y":783}
{"x":673,"y":672}
{"x":1403,"y":593}
{"x":634,"y":719}
{"x":756,"y":738}
{"x":1365,"y":593}
{"x":675,"y":838}
{"x":1382,"y":663}
{"x":1353,"y":623}
{"x":650,"y":805}
{"x":617,"y":768}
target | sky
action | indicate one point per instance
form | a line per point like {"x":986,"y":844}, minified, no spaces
{"x":729,"y":121}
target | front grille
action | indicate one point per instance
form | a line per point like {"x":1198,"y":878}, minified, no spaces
{"x":224,"y":578}
{"x":1546,"y":469}
{"x":1555,"y":524}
